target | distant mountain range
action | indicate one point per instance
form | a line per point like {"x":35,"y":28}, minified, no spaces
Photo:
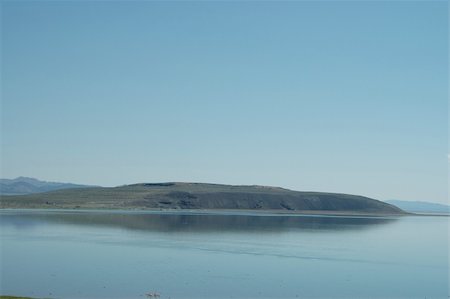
{"x":25,"y":185}
{"x":420,"y":206}
{"x":197,"y":196}
{"x":201,"y":196}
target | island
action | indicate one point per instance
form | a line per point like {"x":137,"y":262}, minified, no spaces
{"x":201,"y":196}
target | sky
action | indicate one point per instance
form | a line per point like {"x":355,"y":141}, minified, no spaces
{"x":332,"y":96}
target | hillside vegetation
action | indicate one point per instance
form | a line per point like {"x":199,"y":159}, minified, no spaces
{"x":199,"y":196}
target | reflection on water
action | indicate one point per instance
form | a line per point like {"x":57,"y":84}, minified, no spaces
{"x":182,"y":255}
{"x":191,"y":222}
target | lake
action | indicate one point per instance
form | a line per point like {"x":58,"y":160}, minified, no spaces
{"x":122,"y":254}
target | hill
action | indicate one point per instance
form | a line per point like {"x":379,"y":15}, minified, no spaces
{"x":25,"y":185}
{"x":200,"y":196}
{"x":420,"y":206}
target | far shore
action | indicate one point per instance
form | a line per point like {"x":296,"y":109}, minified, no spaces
{"x":237,"y":212}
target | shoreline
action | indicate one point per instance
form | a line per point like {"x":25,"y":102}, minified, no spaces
{"x":226,"y":212}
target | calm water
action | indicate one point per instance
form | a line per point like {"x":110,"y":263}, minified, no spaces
{"x":67,"y":254}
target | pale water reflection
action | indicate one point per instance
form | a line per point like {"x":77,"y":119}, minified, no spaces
{"x":98,"y":254}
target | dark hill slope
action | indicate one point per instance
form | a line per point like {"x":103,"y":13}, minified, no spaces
{"x":199,"y":196}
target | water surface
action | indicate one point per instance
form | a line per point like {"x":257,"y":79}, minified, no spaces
{"x":103,"y":254}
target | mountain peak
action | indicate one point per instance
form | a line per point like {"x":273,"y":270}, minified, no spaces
{"x":27,"y":185}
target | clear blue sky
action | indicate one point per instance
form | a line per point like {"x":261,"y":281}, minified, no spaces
{"x":328,"y":96}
